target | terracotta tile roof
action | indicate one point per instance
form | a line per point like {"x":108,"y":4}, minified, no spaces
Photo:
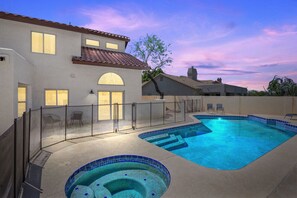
{"x":99,"y":57}
{"x":63,"y":26}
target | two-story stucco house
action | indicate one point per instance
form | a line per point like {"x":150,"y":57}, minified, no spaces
{"x":45,"y":63}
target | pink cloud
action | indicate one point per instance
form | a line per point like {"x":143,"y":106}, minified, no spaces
{"x":257,"y":50}
{"x":246,"y":54}
{"x":283,"y":31}
{"x":110,"y":19}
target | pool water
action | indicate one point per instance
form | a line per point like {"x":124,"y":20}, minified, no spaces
{"x":232,"y":144}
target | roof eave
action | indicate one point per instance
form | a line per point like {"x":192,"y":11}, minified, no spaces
{"x":81,"y":62}
{"x":52,"y":24}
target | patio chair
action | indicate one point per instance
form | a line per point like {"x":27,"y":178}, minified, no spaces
{"x":291,"y":115}
{"x":76,"y":116}
{"x":51,"y":119}
{"x":210,"y":107}
{"x":220,"y":108}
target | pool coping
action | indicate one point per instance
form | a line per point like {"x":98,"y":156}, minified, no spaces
{"x":258,"y":179}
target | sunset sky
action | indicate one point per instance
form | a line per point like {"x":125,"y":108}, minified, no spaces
{"x":245,"y":42}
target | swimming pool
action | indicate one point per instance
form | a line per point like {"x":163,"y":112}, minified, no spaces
{"x":119,"y":176}
{"x":230,"y":143}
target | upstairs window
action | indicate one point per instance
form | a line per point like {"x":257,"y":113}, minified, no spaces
{"x":43,"y":43}
{"x":56,"y":97}
{"x":110,"y":79}
{"x":112,"y":46}
{"x":92,"y":42}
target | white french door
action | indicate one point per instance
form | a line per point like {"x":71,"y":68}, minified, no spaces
{"x":106,"y":99}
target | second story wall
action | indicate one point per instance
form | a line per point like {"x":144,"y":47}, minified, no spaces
{"x":17,"y":36}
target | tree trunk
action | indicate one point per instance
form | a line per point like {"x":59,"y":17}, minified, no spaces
{"x":156,"y":85}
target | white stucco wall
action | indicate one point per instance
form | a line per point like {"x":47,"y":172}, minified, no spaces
{"x":80,"y":79}
{"x":14,"y":70}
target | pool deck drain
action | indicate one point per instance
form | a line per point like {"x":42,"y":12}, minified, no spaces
{"x":259,"y":179}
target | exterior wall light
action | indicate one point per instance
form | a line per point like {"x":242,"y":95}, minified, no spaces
{"x":91,"y":92}
{"x":2,"y":58}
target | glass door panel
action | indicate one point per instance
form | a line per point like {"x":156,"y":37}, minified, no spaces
{"x":104,"y":105}
{"x":117,"y":97}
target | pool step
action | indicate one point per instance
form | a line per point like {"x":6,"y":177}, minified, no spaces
{"x":172,"y":138}
{"x":157,"y":137}
{"x":180,"y":143}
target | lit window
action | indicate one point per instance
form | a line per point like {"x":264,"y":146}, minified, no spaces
{"x":37,"y":42}
{"x":110,"y":79}
{"x":56,"y":97}
{"x":49,"y":44}
{"x":22,"y":98}
{"x":92,"y":42}
{"x":43,"y":43}
{"x":112,"y":46}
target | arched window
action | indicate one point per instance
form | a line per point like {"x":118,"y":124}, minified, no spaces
{"x":110,"y":79}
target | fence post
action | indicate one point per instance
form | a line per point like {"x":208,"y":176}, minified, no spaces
{"x":15,"y":156}
{"x":184,"y":110}
{"x":66,"y":110}
{"x":196,"y":105}
{"x":163,"y":112}
{"x":133,"y":110}
{"x":174,"y":111}
{"x":150,"y":114}
{"x":115,"y":117}
{"x":92,"y":122}
{"x":29,"y":135}
{"x":135,"y":115}
{"x":24,"y":145}
{"x":41,"y":128}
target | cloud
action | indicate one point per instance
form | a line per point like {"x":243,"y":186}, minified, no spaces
{"x":111,"y":19}
{"x":282,"y":31}
{"x":208,"y":66}
{"x":206,"y":32}
{"x":228,"y":72}
{"x":238,"y":72}
{"x":268,"y":65}
{"x":242,"y":52}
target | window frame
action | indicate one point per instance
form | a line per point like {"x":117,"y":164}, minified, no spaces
{"x":43,"y":43}
{"x":56,"y":97}
{"x":111,"y":84}
{"x":92,"y":40}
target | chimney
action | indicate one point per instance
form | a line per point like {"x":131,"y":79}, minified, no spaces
{"x":192,"y":73}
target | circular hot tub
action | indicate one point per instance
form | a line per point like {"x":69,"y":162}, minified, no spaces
{"x":119,"y":176}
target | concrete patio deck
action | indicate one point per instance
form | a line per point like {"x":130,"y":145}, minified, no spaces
{"x":272,"y":175}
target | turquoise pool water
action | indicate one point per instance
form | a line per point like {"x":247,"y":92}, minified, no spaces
{"x":119,"y":178}
{"x":228,"y":144}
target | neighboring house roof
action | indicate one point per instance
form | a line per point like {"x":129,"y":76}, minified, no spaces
{"x":99,"y":57}
{"x":63,"y":26}
{"x":190,"y":82}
